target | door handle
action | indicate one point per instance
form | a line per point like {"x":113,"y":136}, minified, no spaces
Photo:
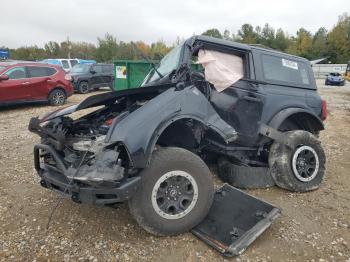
{"x":252,"y":98}
{"x":25,"y":83}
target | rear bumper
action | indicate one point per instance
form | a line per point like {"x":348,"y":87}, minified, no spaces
{"x":56,"y":179}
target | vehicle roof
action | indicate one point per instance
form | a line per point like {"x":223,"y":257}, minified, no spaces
{"x":102,"y":64}
{"x":91,"y":64}
{"x":26,"y":64}
{"x":61,"y":59}
{"x":244,"y":47}
{"x":21,"y":63}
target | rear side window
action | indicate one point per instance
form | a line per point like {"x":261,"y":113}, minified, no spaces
{"x":51,"y":71}
{"x":285,"y":70}
{"x":65,"y":64}
{"x":16,"y":73}
{"x":97,"y":68}
{"x":73,"y":62}
{"x":107,"y":68}
{"x":40,"y":71}
{"x":34,"y":71}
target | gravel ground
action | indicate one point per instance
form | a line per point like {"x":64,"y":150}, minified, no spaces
{"x":314,"y":226}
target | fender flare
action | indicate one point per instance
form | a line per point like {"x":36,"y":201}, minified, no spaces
{"x":282,"y":115}
{"x":83,"y":80}
{"x":160,"y":129}
{"x":56,"y":88}
{"x":140,"y":129}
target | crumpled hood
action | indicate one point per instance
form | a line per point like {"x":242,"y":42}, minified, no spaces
{"x":106,"y":99}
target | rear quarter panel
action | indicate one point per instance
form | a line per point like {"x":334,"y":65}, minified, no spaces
{"x":281,"y":96}
{"x":58,"y":80}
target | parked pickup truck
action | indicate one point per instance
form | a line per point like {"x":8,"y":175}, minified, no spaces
{"x":246,"y":108}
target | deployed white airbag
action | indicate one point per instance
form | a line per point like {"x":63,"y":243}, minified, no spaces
{"x":221,"y":69}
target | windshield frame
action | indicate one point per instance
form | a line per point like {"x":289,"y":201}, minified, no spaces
{"x":153,"y":77}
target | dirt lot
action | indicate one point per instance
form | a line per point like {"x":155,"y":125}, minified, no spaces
{"x":314,"y":226}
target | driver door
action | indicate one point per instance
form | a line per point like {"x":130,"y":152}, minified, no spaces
{"x":240,"y":105}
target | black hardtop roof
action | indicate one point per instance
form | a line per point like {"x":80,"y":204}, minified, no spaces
{"x":240,"y":46}
{"x":102,"y":64}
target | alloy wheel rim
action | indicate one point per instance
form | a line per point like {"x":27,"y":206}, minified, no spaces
{"x":58,"y":98}
{"x":305,"y":163}
{"x":84,"y":88}
{"x":174,"y":195}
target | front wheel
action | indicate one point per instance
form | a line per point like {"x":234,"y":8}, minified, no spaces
{"x":300,"y":164}
{"x":176,"y":192}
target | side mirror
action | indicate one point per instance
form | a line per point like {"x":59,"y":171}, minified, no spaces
{"x":4,"y":77}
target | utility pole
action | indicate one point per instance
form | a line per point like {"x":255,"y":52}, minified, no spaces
{"x":69,"y":47}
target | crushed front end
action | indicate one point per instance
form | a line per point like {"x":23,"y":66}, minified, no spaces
{"x":73,"y":158}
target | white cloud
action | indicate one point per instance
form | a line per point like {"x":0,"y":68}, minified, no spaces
{"x":37,"y":21}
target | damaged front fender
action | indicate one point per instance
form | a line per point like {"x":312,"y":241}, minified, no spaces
{"x":140,"y":130}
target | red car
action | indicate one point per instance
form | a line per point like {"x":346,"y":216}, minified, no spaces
{"x":33,"y":82}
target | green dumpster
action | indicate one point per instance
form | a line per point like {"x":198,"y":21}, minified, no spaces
{"x":130,"y":74}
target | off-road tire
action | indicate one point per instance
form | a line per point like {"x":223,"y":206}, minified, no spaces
{"x":281,"y":161}
{"x":165,"y":160}
{"x":245,"y":177}
{"x":57,"y":97}
{"x":83,"y":87}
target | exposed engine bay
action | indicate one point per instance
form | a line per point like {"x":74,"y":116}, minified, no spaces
{"x":81,"y":144}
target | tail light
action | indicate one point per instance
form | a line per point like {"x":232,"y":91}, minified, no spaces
{"x":68,"y":77}
{"x":324,"y":113}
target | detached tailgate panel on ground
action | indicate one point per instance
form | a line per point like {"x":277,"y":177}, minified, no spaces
{"x":235,"y":220}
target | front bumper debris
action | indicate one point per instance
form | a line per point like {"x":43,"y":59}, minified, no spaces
{"x":58,"y":179}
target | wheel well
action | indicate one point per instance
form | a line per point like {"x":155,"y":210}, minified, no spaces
{"x":184,"y":133}
{"x":83,"y":80}
{"x":56,"y":88}
{"x":301,"y":121}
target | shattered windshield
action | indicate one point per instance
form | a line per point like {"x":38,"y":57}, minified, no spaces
{"x":166,"y":65}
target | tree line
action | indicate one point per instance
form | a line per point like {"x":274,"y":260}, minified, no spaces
{"x":334,"y":44}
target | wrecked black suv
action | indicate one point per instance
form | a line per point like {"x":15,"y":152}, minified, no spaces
{"x":254,"y":111}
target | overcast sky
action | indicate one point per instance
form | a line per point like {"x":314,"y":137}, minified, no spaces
{"x":35,"y":22}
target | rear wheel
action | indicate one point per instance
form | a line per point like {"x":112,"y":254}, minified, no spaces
{"x":176,"y":192}
{"x":57,"y":97}
{"x":83,"y":87}
{"x":300,"y":166}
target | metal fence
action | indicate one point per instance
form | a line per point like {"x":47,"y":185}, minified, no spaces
{"x":321,"y":70}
